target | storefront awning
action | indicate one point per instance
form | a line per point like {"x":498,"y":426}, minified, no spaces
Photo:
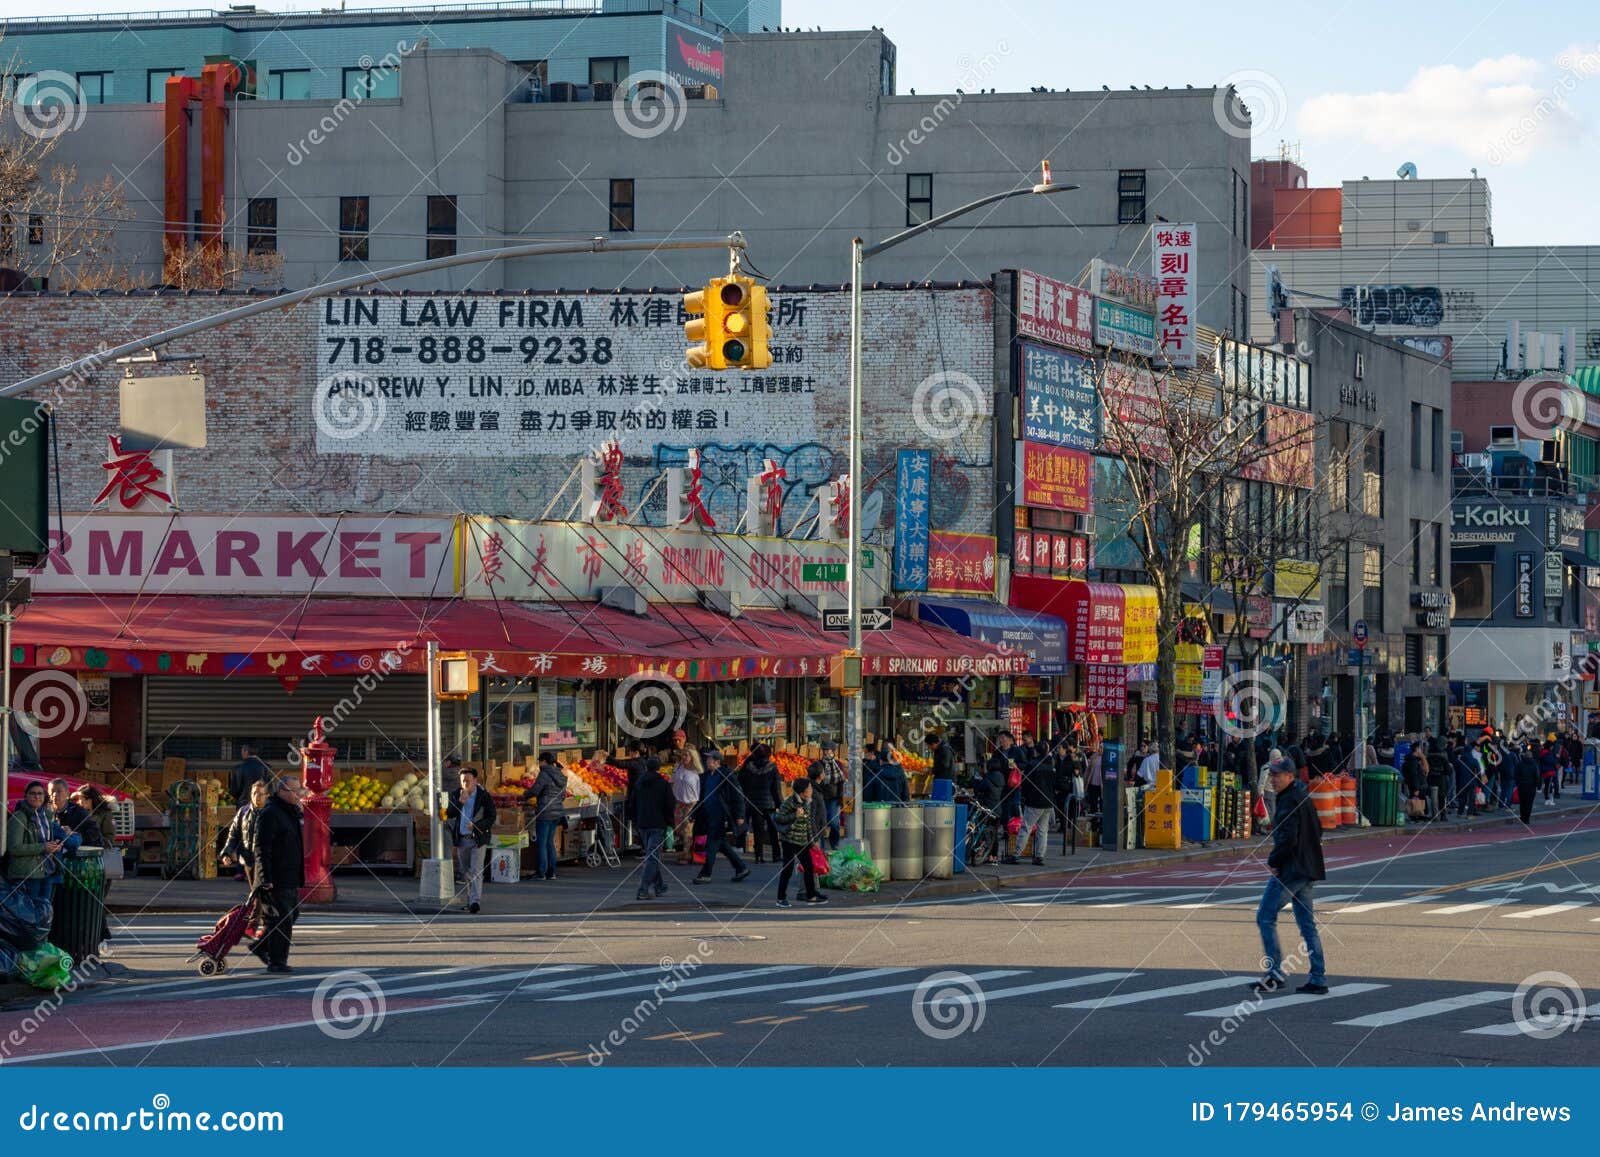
{"x":1106,"y":622}
{"x":234,"y":635}
{"x":1041,"y":638}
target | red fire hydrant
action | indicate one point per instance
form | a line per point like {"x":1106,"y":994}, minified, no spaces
{"x":316,"y":762}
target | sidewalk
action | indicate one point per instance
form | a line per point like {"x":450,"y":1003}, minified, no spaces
{"x":583,"y":891}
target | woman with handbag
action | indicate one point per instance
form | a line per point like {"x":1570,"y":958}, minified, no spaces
{"x":801,"y":821}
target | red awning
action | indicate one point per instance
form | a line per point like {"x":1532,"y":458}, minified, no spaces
{"x":1094,"y":613}
{"x":236,"y":635}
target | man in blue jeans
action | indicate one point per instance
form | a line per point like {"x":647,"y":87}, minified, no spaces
{"x":652,"y":808}
{"x":1296,"y":865}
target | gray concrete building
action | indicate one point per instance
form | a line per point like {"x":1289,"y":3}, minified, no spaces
{"x":806,"y":144}
{"x":1384,"y":415}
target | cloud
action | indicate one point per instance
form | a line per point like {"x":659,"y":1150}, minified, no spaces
{"x":1499,"y":110}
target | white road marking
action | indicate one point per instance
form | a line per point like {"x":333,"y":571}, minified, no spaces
{"x":988,"y":994}
{"x":1456,"y":909}
{"x":1570,"y":1020}
{"x":836,"y":978}
{"x":831,"y":998}
{"x":600,"y":977}
{"x":1272,"y":1003}
{"x":768,"y":970}
{"x":1356,"y":909}
{"x":1547,"y":910}
{"x":1119,"y":999}
{"x":1428,"y":1008}
{"x":1151,"y":900}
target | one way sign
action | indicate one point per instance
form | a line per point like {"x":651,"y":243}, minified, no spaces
{"x":872,"y":619}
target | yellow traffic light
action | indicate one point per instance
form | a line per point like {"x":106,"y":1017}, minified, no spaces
{"x":732,"y":329}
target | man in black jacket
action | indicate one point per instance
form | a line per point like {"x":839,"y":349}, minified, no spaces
{"x":469,"y":819}
{"x":653,"y":808}
{"x":252,"y":769}
{"x":1037,"y":796}
{"x":762,"y":788}
{"x":943,"y":756}
{"x":278,"y":871}
{"x":1296,"y":865}
{"x":723,"y":808}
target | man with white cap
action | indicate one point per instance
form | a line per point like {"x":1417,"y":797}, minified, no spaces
{"x":1296,"y":864}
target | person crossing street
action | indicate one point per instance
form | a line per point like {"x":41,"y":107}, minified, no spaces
{"x":277,"y":871}
{"x":1296,"y":865}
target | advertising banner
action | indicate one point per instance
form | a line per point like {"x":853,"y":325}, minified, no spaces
{"x":1055,"y":478}
{"x":913,"y":470}
{"x":1054,"y":311}
{"x":1174,"y":252}
{"x":1058,"y":398}
{"x":1130,"y":330}
{"x":961,"y":564}
{"x":1106,"y":688}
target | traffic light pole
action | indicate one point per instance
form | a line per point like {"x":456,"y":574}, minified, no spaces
{"x":859,"y":253}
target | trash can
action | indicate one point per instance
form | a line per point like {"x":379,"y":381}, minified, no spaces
{"x":875,"y":830}
{"x":905,"y":843}
{"x":960,"y":856}
{"x":78,"y":923}
{"x":939,"y":840}
{"x":1380,"y":796}
{"x":944,"y":790}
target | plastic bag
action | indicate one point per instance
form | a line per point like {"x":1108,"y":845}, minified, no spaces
{"x":8,"y":962}
{"x":45,"y":967}
{"x":852,"y":871}
{"x":24,"y":921}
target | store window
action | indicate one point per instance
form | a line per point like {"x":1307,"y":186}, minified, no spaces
{"x":822,"y":713}
{"x":566,"y":717}
{"x":769,"y":719}
{"x":1471,"y":590}
{"x":730,"y":713}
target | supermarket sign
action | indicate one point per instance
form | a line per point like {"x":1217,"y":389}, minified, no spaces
{"x":218,"y":554}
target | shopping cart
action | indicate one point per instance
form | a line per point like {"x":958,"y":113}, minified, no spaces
{"x":604,"y":848}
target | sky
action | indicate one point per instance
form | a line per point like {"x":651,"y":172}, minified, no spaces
{"x":1511,"y":89}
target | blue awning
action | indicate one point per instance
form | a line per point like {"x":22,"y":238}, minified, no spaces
{"x":1043,"y":638}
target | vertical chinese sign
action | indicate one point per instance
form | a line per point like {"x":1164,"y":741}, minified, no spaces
{"x":913,"y":470}
{"x":1174,"y":250}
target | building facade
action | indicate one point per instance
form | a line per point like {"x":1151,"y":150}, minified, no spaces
{"x":1385,"y":471}
{"x":456,"y":159}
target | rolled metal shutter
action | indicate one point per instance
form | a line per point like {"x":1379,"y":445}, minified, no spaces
{"x":394,"y":707}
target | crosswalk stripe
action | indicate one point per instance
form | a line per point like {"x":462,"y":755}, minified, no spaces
{"x":836,"y":978}
{"x":1428,"y":1008}
{"x":1273,"y":1003}
{"x":1357,"y":909}
{"x":1119,"y":999}
{"x":1151,"y":900}
{"x":454,"y":983}
{"x":1455,"y":909}
{"x":990,"y":994}
{"x":767,"y":970}
{"x":1573,"y":1019}
{"x":546,"y":986}
{"x":992,"y":974}
{"x":1547,"y":910}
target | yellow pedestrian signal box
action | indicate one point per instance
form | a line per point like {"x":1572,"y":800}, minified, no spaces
{"x":845,"y":674}
{"x":455,"y":675}
{"x":729,"y":326}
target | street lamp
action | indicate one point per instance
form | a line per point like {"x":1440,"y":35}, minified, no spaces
{"x":859,"y":253}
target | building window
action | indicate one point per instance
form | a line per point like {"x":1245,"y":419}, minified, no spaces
{"x":1441,"y":237}
{"x":537,"y":72}
{"x":608,"y":69}
{"x":96,"y":86}
{"x":155,"y":83}
{"x":1416,"y":436}
{"x":622,"y":205}
{"x":1414,"y":656}
{"x":1372,"y":587}
{"x":919,"y":198}
{"x":1436,"y":555}
{"x":1438,"y":441}
{"x":1241,"y":206}
{"x":1372,"y":474}
{"x":1339,"y":465}
{"x":1416,"y":552}
{"x":1339,"y":589}
{"x":1471,"y":590}
{"x":1239,"y":324}
{"x":289,"y":84}
{"x":194,"y":235}
{"x":441,"y":226}
{"x":353,"y":225}
{"x":374,"y":83}
{"x":1130,"y":197}
{"x":261,"y":232}
{"x":35,"y":228}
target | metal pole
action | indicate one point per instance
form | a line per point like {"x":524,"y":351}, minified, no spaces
{"x":95,"y":361}
{"x":5,"y":721}
{"x":435,"y":767}
{"x":853,"y":557}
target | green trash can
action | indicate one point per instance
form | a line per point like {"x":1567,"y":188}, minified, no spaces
{"x":1380,"y":796}
{"x":78,"y":923}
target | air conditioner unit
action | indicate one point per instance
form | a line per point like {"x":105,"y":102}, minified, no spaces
{"x":1503,"y":437}
{"x":1477,"y":463}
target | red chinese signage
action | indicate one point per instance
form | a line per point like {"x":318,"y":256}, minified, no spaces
{"x":1056,"y":478}
{"x":1106,"y":688}
{"x":1055,"y":312}
{"x":1131,"y":408}
{"x":1175,"y":292}
{"x":961,"y":564}
{"x":1094,"y":622}
{"x":1022,"y":550}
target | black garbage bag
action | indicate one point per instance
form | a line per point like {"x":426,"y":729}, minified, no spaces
{"x":24,"y":921}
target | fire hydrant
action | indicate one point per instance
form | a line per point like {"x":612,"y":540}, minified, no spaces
{"x":316,"y":763}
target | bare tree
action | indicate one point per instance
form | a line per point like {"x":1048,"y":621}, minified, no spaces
{"x":1183,"y":441}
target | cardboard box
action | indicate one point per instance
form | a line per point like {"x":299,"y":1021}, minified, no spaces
{"x":104,"y":758}
{"x":505,"y":865}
